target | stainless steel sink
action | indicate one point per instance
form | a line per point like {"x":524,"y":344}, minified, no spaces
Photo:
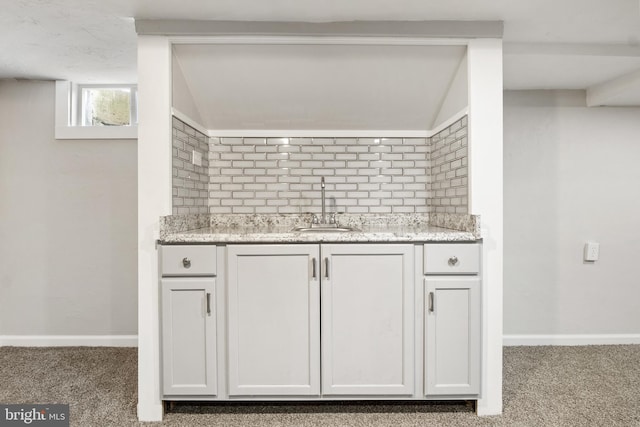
{"x":321,"y":229}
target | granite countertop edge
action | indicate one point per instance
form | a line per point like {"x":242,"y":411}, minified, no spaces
{"x":207,"y":235}
{"x":204,"y":228}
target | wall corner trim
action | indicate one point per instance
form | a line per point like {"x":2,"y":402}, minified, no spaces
{"x":69,"y":340}
{"x":451,"y":120}
{"x":188,"y":120}
{"x":318,"y":133}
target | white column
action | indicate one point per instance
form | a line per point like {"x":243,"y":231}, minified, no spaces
{"x":485,"y":199}
{"x":154,"y":200}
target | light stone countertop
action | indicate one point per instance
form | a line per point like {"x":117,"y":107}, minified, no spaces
{"x":283,"y":234}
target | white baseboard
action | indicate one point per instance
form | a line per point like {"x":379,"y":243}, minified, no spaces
{"x":586,"y":339}
{"x":69,"y":340}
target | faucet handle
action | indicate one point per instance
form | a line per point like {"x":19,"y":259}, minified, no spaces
{"x":315,"y":219}
{"x":332,"y":218}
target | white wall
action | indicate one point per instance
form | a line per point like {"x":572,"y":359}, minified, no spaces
{"x":68,"y":240}
{"x":457,"y":96}
{"x":181,"y":97}
{"x":571,"y":175}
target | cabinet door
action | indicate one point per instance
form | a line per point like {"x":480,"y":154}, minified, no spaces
{"x":274,"y":320}
{"x":452,"y":336}
{"x":188,"y":336}
{"x":367,"y":319}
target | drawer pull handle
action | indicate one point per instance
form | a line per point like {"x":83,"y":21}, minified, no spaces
{"x":186,"y":262}
{"x":453,"y":261}
{"x":209,"y":303}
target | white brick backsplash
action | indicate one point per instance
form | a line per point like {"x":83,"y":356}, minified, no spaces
{"x":402,"y":178}
{"x":346,"y":156}
{"x":311,"y":164}
{"x":392,"y":171}
{"x":448,"y":171}
{"x":288,"y":149}
{"x":380,"y":149}
{"x":230,"y":202}
{"x":380,"y":179}
{"x":346,"y":187}
{"x":380,"y":164}
{"x":242,"y":164}
{"x":403,"y":209}
{"x":242,"y":148}
{"x":402,"y":149}
{"x":369,"y":172}
{"x":219,"y":179}
{"x":357,"y":149}
{"x":266,"y":149}
{"x":347,"y":172}
{"x":345,"y":141}
{"x":311,"y":149}
{"x":379,"y":209}
{"x":243,"y":209}
{"x":243,"y":179}
{"x":189,"y":186}
{"x":219,"y":209}
{"x":282,"y":175}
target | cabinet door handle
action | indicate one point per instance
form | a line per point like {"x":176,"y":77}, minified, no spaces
{"x":326,"y":268}
{"x":209,"y":303}
{"x":313,"y":268}
{"x":431,"y":296}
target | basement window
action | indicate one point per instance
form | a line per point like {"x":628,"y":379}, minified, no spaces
{"x":93,"y":111}
{"x":107,"y":105}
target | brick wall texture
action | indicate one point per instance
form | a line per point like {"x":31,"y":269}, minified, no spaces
{"x":282,"y":175}
{"x":190,"y":182}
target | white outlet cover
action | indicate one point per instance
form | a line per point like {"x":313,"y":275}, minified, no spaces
{"x":196,"y":158}
{"x":591,"y":251}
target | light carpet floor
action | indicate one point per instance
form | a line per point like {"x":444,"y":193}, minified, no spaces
{"x":543,"y":386}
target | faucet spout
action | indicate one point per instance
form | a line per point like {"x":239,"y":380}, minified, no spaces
{"x":325,"y":221}
{"x":323,"y":218}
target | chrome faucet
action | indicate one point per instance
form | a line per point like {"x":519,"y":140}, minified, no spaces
{"x":323,"y":218}
{"x":323,"y":221}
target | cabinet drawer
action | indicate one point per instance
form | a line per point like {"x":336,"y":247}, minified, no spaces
{"x":189,"y":260}
{"x":451,"y":258}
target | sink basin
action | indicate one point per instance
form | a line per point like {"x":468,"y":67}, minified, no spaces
{"x":323,"y":229}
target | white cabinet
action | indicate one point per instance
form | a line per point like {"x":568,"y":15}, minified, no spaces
{"x":451,"y":258}
{"x":321,"y":321}
{"x":274,"y":320}
{"x":453,"y":318}
{"x":367,"y":319}
{"x":188,"y":336}
{"x":452,"y":343}
{"x":188,"y":303}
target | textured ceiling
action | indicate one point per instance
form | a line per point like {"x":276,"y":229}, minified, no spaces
{"x":95,"y":40}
